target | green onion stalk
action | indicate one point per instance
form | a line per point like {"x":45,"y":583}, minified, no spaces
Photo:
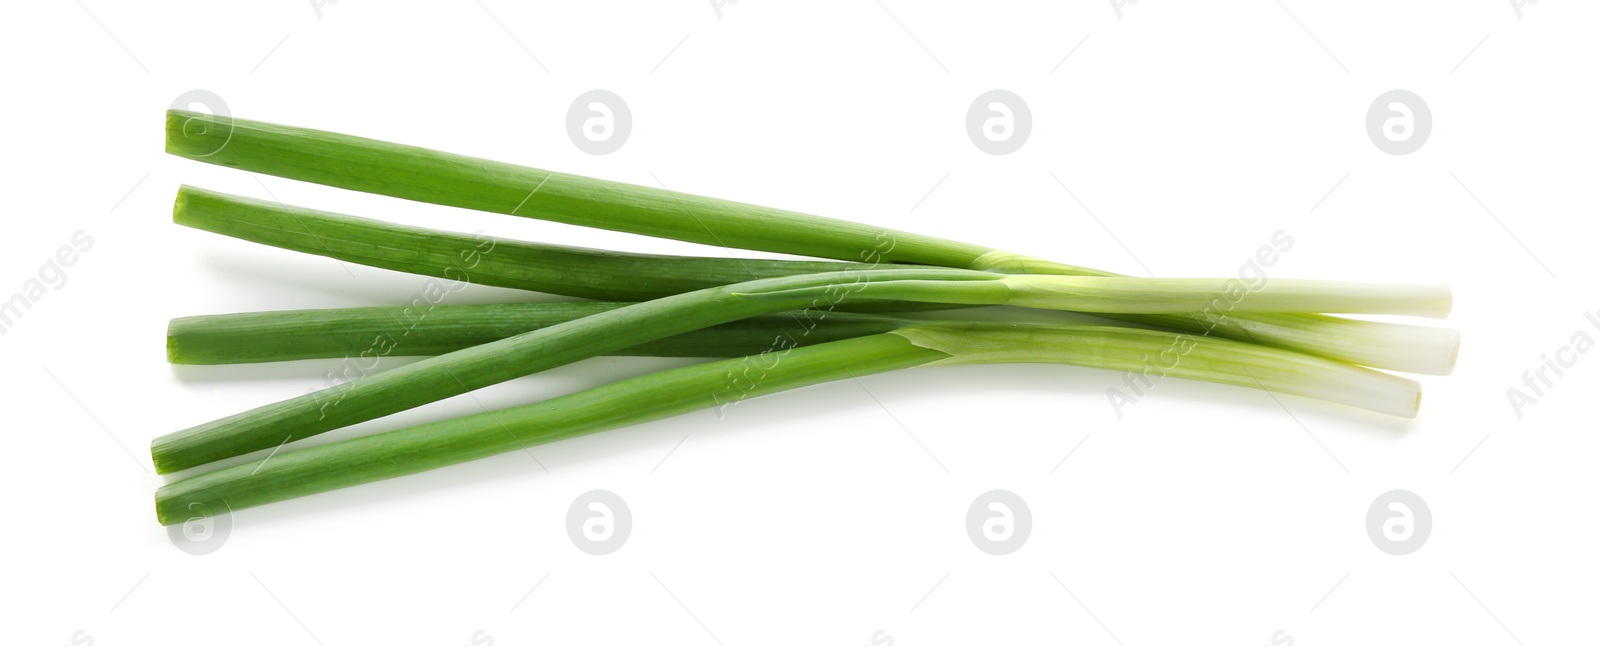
{"x":436,"y":177}
{"x":478,"y":259}
{"x":471,"y":368}
{"x":370,"y":333}
{"x":294,"y":473}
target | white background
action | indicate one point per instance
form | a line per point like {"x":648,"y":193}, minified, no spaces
{"x":1189,"y":131}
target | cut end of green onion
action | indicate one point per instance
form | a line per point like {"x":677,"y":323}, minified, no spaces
{"x":157,"y":457}
{"x":1449,"y":362}
{"x":197,"y":134}
{"x":1431,"y":301}
{"x":191,"y":504}
{"x":180,"y":204}
{"x":1400,"y":398}
{"x":1431,"y":350}
{"x":174,"y":354}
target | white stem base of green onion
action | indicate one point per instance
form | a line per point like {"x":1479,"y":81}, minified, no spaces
{"x":1285,"y":311}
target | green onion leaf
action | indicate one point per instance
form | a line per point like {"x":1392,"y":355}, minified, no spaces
{"x":477,"y":259}
{"x":259,"y":337}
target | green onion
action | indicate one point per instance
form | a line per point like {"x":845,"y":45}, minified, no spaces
{"x":482,"y":260}
{"x":295,"y":473}
{"x":425,"y":175}
{"x":368,"y":333}
{"x":465,"y":370}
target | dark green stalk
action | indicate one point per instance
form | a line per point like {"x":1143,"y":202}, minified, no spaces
{"x":424,"y":175}
{"x":362,"y":332}
{"x":477,"y":259}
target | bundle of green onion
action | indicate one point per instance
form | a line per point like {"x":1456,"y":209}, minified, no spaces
{"x":879,"y":301}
